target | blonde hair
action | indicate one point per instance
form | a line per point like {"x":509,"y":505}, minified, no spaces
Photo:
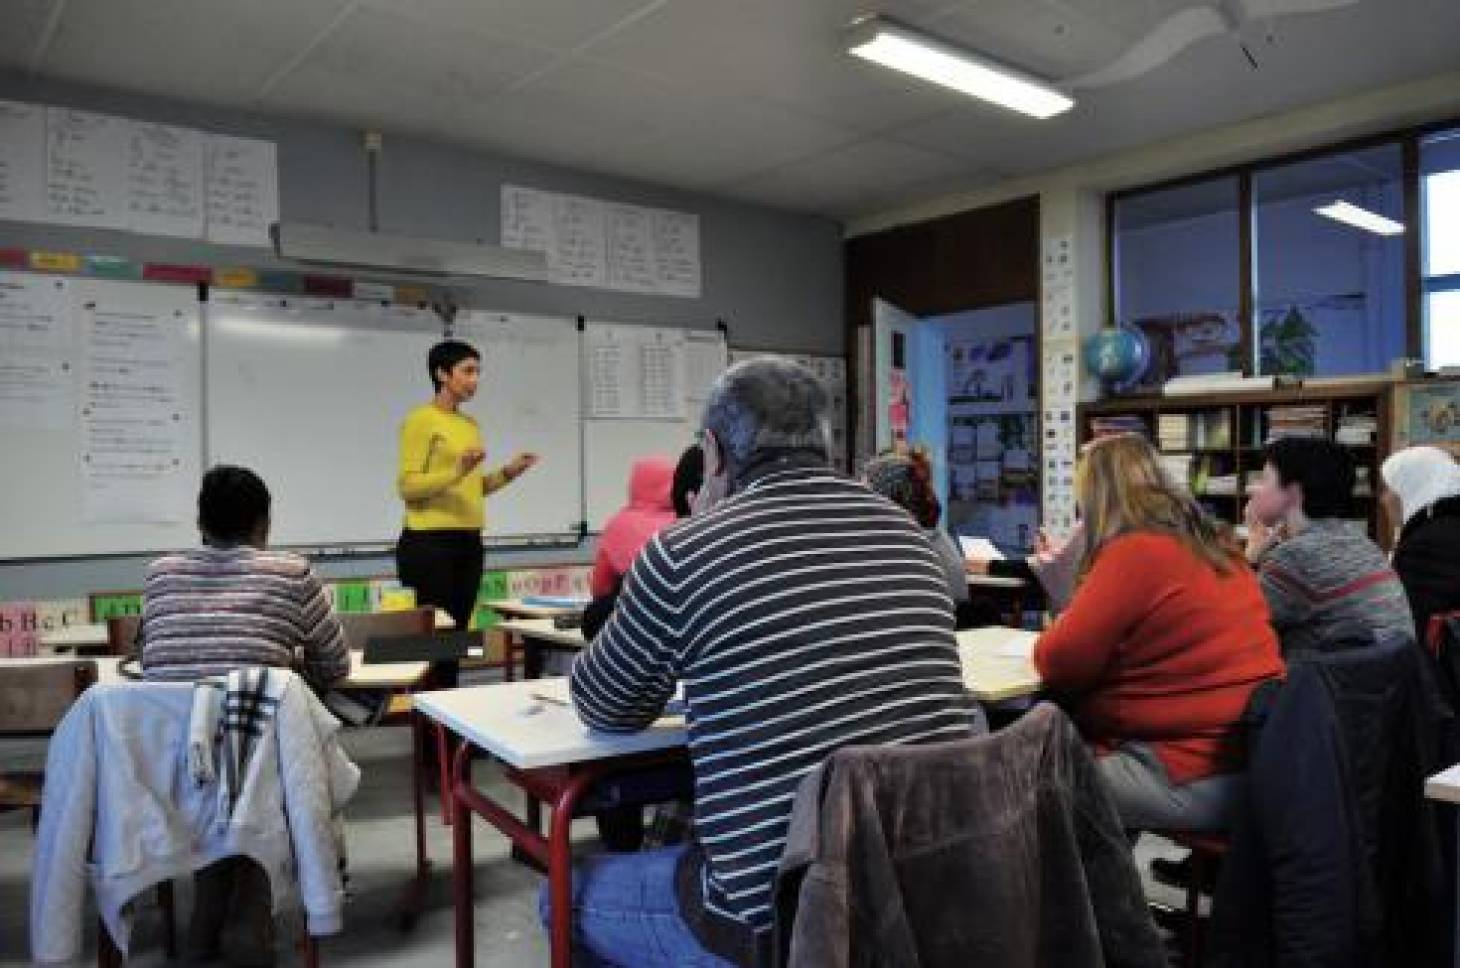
{"x":1122,"y":488}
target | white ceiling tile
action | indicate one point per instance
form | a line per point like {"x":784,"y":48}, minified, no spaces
{"x":208,"y":50}
{"x":25,"y":22}
{"x":853,"y":178}
{"x":788,"y":52}
{"x":377,"y":56}
{"x":558,"y":24}
{"x":1046,"y":38}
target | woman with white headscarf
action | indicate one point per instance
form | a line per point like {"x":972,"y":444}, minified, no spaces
{"x":1423,"y":491}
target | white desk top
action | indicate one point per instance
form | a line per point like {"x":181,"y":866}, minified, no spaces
{"x":995,"y":581}
{"x":383,"y":675}
{"x":505,"y":720}
{"x":1444,"y":785}
{"x":996,"y":663}
{"x":90,"y":635}
{"x":93,"y":634}
{"x":542,"y":630}
{"x":517,"y":608}
{"x":107,"y":666}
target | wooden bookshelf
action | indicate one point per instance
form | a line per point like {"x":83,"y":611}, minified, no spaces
{"x":1248,"y":417}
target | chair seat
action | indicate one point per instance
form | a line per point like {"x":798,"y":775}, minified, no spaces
{"x":1203,"y":843}
{"x":21,"y":790}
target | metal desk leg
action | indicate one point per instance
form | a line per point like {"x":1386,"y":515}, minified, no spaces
{"x":461,"y":864}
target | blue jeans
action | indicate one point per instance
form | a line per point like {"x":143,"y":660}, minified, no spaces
{"x":625,"y":913}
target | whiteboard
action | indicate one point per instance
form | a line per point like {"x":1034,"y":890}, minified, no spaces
{"x":57,"y":503}
{"x":310,"y":393}
{"x":610,"y":446}
{"x":528,"y":400}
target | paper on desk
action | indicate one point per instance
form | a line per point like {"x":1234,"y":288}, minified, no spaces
{"x":980,"y":548}
{"x":1022,"y":649}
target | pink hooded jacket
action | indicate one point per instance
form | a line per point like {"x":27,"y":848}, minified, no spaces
{"x":648,"y":512}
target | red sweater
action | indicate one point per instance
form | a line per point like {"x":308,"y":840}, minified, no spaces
{"x":1158,"y":647}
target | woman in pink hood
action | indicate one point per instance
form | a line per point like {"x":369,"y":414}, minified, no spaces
{"x":649,"y":511}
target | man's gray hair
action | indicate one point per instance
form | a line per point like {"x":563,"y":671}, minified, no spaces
{"x":767,"y":405}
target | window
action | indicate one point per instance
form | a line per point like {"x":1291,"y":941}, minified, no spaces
{"x":1328,"y":279}
{"x":1440,"y":269}
{"x":1177,"y":274}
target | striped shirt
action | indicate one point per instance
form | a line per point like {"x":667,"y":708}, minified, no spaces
{"x":1329,"y":582}
{"x":207,"y":611}
{"x":803,"y":615}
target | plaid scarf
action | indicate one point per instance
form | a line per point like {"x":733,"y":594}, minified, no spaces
{"x":249,"y":700}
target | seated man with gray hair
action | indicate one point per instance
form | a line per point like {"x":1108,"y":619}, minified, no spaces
{"x":801,"y":613}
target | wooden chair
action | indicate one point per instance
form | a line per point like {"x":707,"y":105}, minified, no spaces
{"x":123,"y":635}
{"x":33,"y":700}
{"x":1207,"y":851}
{"x":361,"y":627}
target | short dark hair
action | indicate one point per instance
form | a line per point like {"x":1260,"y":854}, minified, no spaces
{"x":445,"y":355}
{"x":689,"y":477}
{"x":232,"y":503}
{"x":1323,"y":469}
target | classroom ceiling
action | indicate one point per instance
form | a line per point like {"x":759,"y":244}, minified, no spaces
{"x":750,"y":99}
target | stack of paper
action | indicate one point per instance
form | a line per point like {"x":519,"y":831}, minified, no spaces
{"x":981,"y":549}
{"x":1357,"y":428}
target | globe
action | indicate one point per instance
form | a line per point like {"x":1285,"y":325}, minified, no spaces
{"x":1116,"y":355}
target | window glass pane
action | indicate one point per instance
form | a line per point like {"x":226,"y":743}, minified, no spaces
{"x":1177,"y":279}
{"x":1442,"y":311}
{"x":1439,"y":165}
{"x":1329,"y":292}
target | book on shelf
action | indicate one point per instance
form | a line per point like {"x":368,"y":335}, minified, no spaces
{"x":1110,"y":425}
{"x":1173,"y":431}
{"x":1296,"y":421}
{"x":1213,"y":429}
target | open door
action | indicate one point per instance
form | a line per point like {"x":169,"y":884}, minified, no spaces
{"x":910,"y":382}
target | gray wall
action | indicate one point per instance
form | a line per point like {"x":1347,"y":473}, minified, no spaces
{"x":775,"y":278}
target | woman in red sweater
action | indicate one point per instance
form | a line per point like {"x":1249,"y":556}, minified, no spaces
{"x":1163,"y":643}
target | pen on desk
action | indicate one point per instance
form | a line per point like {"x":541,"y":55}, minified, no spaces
{"x":554,"y":700}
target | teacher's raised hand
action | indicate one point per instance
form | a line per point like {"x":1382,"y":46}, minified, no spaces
{"x":521,"y":463}
{"x":469,"y":460}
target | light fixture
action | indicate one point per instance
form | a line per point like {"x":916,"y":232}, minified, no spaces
{"x":1360,"y":218}
{"x":890,"y":44}
{"x":438,"y":257}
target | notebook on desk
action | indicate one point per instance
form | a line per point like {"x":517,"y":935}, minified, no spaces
{"x":435,"y":647}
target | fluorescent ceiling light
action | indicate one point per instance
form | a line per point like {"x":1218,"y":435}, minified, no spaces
{"x":892,"y":45}
{"x":1360,"y":218}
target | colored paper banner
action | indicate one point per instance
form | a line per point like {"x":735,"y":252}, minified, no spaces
{"x":104,"y":607}
{"x":18,"y":634}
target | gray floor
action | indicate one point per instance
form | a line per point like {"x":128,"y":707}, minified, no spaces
{"x":381,"y":844}
{"x":382,"y":857}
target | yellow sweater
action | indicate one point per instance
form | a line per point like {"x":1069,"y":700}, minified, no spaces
{"x":436,"y":494}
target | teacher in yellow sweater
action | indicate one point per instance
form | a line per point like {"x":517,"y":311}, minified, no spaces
{"x":444,"y":489}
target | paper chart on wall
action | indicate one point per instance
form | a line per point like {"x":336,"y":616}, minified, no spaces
{"x":133,"y":432}
{"x":590,"y":242}
{"x":1058,"y":289}
{"x":165,"y":180}
{"x":22,"y":161}
{"x":635,"y":373}
{"x":37,"y":384}
{"x":85,"y":177}
{"x":243,"y":190}
{"x":1061,"y":375}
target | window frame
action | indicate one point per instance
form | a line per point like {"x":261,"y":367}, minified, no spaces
{"x":1416,"y":286}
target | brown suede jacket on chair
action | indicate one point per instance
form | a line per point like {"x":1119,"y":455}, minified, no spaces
{"x":1000,"y":850}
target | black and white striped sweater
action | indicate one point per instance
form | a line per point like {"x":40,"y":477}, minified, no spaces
{"x":803,"y":615}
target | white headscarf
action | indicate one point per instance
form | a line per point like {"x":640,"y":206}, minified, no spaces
{"x":1420,"y":476}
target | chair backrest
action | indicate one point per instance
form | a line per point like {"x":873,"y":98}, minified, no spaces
{"x":361,"y":627}
{"x":122,"y":635}
{"x":35,"y":696}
